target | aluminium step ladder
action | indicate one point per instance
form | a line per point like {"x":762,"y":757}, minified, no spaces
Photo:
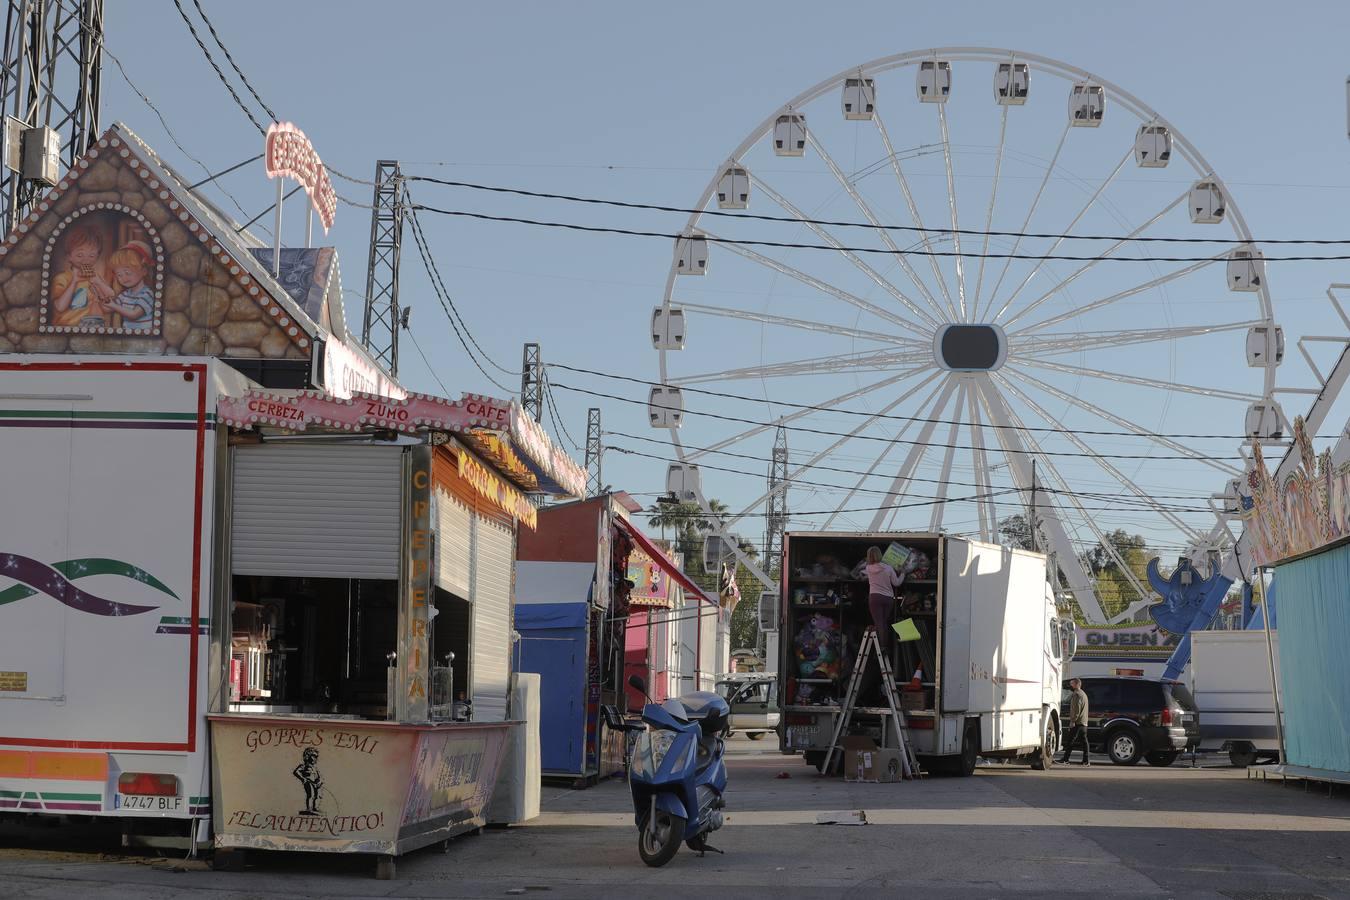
{"x":871,"y":646}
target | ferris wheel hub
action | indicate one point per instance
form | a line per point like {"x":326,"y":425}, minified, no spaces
{"x":970,"y":348}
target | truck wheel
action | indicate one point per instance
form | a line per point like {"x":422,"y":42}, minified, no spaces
{"x":1162,"y":758}
{"x":1044,"y":758}
{"x":1124,"y":746}
{"x":970,"y":751}
{"x":1242,"y":755}
{"x":754,"y":735}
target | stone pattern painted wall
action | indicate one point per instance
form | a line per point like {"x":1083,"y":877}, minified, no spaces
{"x":208,"y":310}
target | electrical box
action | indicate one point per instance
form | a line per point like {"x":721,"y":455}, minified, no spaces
{"x":768,"y":611}
{"x":41,"y":156}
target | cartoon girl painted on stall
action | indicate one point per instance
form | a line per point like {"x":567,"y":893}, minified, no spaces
{"x":82,"y":291}
{"x":131,"y":266}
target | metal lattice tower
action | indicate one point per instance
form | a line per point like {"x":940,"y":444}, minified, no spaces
{"x":776,"y":509}
{"x":52,"y":78}
{"x":532,"y":382}
{"x":379,"y":329}
{"x":594,"y":453}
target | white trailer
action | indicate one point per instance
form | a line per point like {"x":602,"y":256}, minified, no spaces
{"x":1230,"y":680}
{"x":991,"y":653}
{"x":105,"y":587}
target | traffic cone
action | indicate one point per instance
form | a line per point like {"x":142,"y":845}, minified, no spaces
{"x":916,"y":683}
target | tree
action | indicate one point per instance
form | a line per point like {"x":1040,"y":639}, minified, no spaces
{"x":1113,"y":584}
{"x":1015,"y":532}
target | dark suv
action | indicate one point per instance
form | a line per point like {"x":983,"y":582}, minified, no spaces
{"x":1133,"y":718}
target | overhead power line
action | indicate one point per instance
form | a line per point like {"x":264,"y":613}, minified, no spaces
{"x":447,"y":305}
{"x":1140,"y":505}
{"x":219,"y":74}
{"x":897,"y":440}
{"x":795,"y":245}
{"x":796,"y":220}
{"x":230,"y":58}
{"x":898,"y":418}
{"x":1103,"y":494}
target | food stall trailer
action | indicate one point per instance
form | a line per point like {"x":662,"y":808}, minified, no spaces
{"x":371,"y":551}
{"x":576,"y":580}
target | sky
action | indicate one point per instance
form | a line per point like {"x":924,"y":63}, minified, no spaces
{"x":644,"y":103}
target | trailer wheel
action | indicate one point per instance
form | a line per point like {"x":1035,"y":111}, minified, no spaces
{"x":754,"y":735}
{"x":1044,"y":758}
{"x":970,"y":750}
{"x":815,"y":758}
{"x":1242,"y":755}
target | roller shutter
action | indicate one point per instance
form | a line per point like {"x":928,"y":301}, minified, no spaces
{"x":494,"y":559}
{"x":454,"y":543}
{"x":318,"y":511}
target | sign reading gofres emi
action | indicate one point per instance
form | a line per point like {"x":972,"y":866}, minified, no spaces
{"x":414,"y":650}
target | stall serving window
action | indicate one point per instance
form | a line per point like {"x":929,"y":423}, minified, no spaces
{"x":315,"y":537}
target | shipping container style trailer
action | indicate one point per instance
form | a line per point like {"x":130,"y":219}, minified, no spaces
{"x":1230,"y":675}
{"x":106,"y":549}
{"x":984,"y":677}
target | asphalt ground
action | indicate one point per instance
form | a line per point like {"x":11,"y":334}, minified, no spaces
{"x":1099,"y":831}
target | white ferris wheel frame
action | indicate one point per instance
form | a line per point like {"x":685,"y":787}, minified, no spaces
{"x":998,"y":413}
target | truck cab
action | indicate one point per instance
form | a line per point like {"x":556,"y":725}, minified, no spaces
{"x":753,"y":698}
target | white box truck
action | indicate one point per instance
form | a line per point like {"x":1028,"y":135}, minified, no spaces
{"x":109,"y":487}
{"x":984,"y":677}
{"x":1230,"y":680}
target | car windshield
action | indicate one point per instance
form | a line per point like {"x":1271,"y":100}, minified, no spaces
{"x":1182,"y":695}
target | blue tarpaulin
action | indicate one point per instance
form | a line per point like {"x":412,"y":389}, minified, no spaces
{"x":1314,"y":666}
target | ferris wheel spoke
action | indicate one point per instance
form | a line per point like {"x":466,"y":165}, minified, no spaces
{"x":951,"y":203}
{"x":1120,"y":422}
{"x":900,"y":484}
{"x":839,"y":294}
{"x":883,"y":232}
{"x":986,"y":505}
{"x":1048,"y":518}
{"x":935,"y":521}
{"x":1142,"y":381}
{"x":1105,"y":464}
{"x":1035,"y":202}
{"x":832,"y":448}
{"x":989,"y":214}
{"x":803,"y":412}
{"x":1105,"y":254}
{"x":868,"y":361}
{"x":826,"y":236}
{"x":1037,"y":345}
{"x":1116,"y":297}
{"x":1064,"y":232}
{"x":861,"y":334}
{"x":1087,"y":519}
{"x":913,"y":210}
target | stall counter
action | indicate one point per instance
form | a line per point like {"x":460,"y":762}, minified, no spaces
{"x":347,"y":785}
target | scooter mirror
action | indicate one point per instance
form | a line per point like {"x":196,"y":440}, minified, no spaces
{"x":637,"y":682}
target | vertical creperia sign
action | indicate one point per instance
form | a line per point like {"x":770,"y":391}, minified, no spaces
{"x":414,"y":656}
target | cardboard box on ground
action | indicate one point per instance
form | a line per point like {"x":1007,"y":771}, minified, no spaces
{"x":864,"y":761}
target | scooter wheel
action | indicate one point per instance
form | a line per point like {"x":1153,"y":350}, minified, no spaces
{"x":659,"y":841}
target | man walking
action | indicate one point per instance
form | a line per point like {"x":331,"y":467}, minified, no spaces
{"x":1078,"y":719}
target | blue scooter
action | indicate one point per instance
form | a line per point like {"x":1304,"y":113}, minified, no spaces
{"x":677,"y":773}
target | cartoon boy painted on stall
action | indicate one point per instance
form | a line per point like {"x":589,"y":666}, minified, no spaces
{"x":81,"y":292}
{"x":309,"y":775}
{"x":131,"y":265}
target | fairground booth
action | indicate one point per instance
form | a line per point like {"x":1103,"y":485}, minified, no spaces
{"x":581,"y":577}
{"x":286,"y":583}
{"x":1299,"y":525}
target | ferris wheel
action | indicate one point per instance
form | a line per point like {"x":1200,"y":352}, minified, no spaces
{"x":914,"y":306}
